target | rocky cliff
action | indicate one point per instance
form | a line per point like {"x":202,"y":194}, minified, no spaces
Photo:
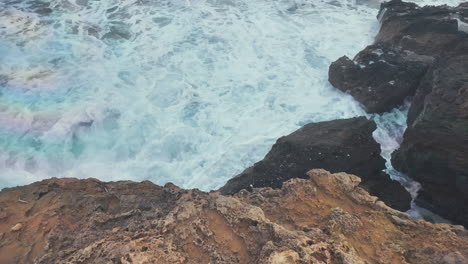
{"x":325,"y":218}
{"x":420,"y":52}
{"x":278,"y":211}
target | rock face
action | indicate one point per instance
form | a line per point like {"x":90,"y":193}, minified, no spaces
{"x":428,"y":30}
{"x":435,"y":146}
{"x":326,"y":218}
{"x":409,"y":41}
{"x":380,"y":77}
{"x":344,"y":145}
{"x":420,"y":51}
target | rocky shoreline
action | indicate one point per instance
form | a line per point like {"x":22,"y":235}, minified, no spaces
{"x":420,"y":52}
{"x":279,"y":210}
{"x":344,"y":145}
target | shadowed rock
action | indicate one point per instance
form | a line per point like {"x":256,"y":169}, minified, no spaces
{"x":420,"y":51}
{"x":344,"y":145}
{"x":410,"y":38}
{"x":435,"y":145}
{"x":380,"y":77}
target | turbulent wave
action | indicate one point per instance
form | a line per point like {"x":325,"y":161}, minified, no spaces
{"x":189,"y":92}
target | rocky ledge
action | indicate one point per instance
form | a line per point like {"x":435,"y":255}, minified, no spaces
{"x":326,"y":218}
{"x":343,"y":145}
{"x":420,"y":52}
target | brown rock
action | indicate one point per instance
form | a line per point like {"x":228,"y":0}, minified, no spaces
{"x":326,"y":218}
{"x":284,"y":257}
{"x":17,"y":227}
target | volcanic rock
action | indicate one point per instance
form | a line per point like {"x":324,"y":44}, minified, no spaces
{"x":428,"y":30}
{"x":434,"y":150}
{"x":344,"y":145}
{"x":420,"y":51}
{"x":410,"y":38}
{"x":380,"y":77}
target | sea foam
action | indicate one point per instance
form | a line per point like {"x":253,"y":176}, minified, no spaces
{"x":189,"y":92}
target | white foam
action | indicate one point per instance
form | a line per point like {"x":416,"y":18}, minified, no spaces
{"x":462,"y":26}
{"x":190,"y":92}
{"x":389,"y":134}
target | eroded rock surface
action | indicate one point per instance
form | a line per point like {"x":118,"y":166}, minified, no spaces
{"x":344,"y":145}
{"x":326,"y":218}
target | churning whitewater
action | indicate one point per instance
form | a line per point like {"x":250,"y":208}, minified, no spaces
{"x":189,"y":92}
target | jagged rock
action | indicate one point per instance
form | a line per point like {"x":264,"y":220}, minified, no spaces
{"x":344,"y":145}
{"x":434,"y":150}
{"x":428,"y":30}
{"x":410,"y":38}
{"x":326,"y":218}
{"x":380,"y":77}
{"x":424,"y":52}
{"x":388,"y":190}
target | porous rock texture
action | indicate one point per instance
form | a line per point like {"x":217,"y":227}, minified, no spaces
{"x":343,"y":145}
{"x":420,"y":51}
{"x":326,"y":218}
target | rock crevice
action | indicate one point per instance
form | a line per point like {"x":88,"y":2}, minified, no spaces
{"x":344,"y":145}
{"x":420,"y":52}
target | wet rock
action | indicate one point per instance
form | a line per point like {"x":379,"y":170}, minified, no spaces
{"x":388,"y":190}
{"x":428,"y":30}
{"x":409,"y":40}
{"x":326,"y":218}
{"x":434,"y":150}
{"x":344,"y":145}
{"x":420,"y":51}
{"x":380,"y":77}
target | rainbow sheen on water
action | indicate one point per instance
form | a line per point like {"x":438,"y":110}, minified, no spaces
{"x":190,"y":92}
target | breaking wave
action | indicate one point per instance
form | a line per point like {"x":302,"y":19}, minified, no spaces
{"x":189,"y":92}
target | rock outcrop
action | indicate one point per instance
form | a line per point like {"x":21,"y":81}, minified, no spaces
{"x":435,"y":146}
{"x":410,"y":39}
{"x":434,"y":150}
{"x":344,"y":145}
{"x":326,"y":218}
{"x":380,"y":77}
{"x":428,"y":30}
{"x":420,"y":51}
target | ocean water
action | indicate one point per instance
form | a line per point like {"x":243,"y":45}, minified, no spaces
{"x":183,"y":91}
